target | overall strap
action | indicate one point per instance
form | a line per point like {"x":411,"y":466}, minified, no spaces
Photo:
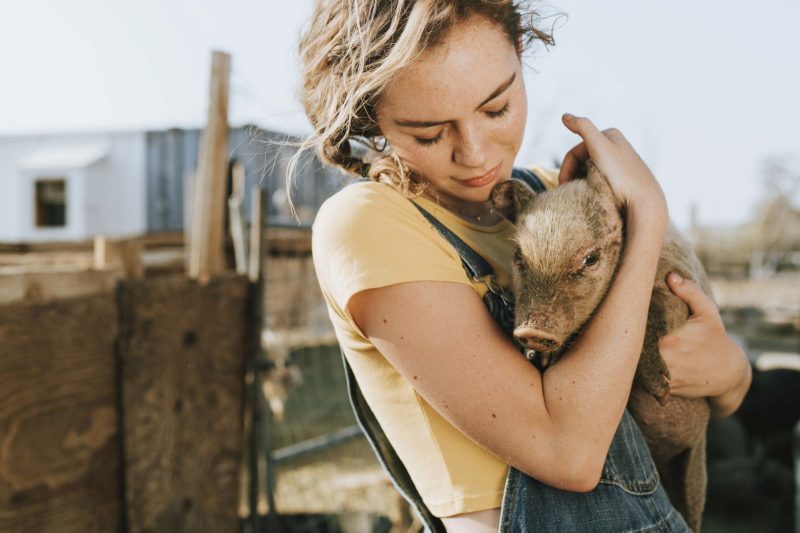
{"x":529,"y":176}
{"x":385,"y":453}
{"x":479,"y":270}
{"x":475,"y":265}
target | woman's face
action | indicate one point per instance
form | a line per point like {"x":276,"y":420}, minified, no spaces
{"x":456,"y":115}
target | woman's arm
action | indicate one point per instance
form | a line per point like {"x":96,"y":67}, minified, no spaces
{"x":555,"y":427}
{"x":703,"y":361}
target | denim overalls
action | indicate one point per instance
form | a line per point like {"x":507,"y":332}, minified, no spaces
{"x":629,"y":497}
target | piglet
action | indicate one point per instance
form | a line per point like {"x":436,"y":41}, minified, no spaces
{"x":569,"y":243}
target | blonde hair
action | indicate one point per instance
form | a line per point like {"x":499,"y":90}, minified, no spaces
{"x":350,"y":52}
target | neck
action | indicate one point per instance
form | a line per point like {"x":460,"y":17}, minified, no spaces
{"x":482,"y":213}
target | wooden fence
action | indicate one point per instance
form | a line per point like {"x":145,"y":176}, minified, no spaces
{"x":123,"y":411}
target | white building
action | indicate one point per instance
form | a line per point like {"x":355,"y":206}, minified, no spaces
{"x":67,"y":187}
{"x":72,"y":187}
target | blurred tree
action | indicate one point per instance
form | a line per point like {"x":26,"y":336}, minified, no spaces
{"x":777,"y":244}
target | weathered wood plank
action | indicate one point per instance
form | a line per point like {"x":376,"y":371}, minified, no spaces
{"x":182,"y":349}
{"x":206,"y":245}
{"x":43,"y":286}
{"x":59,"y":446}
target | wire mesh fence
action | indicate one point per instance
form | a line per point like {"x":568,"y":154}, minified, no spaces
{"x":311,"y":469}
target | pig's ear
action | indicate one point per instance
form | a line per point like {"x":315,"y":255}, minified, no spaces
{"x":597,"y":180}
{"x":511,"y":197}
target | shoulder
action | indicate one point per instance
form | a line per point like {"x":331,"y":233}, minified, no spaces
{"x":368,"y":235}
{"x":359,"y":196}
{"x":363,"y":207}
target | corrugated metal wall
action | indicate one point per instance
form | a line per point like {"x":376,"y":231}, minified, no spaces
{"x":172,"y":159}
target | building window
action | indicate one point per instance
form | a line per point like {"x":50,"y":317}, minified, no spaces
{"x":51,"y":202}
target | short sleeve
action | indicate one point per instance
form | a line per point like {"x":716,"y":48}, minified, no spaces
{"x":368,"y":236}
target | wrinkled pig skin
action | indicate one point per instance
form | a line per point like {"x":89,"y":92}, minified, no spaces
{"x":569,"y":243}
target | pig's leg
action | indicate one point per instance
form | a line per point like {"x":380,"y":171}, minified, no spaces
{"x":694,"y":483}
{"x":684,"y":478}
{"x":652,"y":374}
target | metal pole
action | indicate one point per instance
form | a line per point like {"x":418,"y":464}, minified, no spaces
{"x":262,"y":425}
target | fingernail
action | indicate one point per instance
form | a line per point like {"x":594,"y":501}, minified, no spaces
{"x":676,"y":278}
{"x":568,"y":117}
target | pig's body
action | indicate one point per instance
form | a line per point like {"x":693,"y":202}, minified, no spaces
{"x":676,"y":431}
{"x":570,"y":242}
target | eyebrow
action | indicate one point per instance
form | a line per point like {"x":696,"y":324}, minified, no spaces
{"x":428,"y":123}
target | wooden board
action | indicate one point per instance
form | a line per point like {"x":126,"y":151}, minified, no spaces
{"x":285,"y":241}
{"x":59,"y":446}
{"x":182,"y":350}
{"x":46,"y":286}
{"x":206,"y":243}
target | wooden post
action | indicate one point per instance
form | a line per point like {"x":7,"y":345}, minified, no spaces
{"x":258,"y":233}
{"x":100,"y":252}
{"x":130,"y":251}
{"x":126,"y":253}
{"x":236,"y":217}
{"x":189,"y":182}
{"x":206,"y":240}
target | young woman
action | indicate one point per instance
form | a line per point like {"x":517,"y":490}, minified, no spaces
{"x":435,"y":90}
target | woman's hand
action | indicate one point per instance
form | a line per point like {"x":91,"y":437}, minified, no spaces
{"x":702,"y":360}
{"x":631,"y":180}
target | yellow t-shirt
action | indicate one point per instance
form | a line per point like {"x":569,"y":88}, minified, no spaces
{"x":367,"y":236}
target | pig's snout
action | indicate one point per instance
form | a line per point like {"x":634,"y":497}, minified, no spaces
{"x":536,"y":339}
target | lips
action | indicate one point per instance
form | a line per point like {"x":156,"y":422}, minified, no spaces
{"x":480,"y":181}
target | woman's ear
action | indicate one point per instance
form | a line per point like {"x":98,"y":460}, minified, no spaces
{"x":510,"y":198}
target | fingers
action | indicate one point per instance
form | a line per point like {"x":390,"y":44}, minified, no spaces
{"x":585,"y":128}
{"x":594,"y":142}
{"x":691,"y":293}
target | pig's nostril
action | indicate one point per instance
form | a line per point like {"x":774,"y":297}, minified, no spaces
{"x":545,"y":342}
{"x":539,"y":344}
{"x":536,"y":339}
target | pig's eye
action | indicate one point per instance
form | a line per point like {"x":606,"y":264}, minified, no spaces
{"x":591,"y":259}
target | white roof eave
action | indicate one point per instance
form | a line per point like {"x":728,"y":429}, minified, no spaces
{"x":63,"y":157}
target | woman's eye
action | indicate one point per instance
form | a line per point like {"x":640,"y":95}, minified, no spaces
{"x":499,"y":113}
{"x":591,"y":259}
{"x":428,"y":142}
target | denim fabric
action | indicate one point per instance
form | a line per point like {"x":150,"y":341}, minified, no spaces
{"x":629,"y":497}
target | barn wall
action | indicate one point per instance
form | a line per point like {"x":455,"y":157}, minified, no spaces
{"x":172,"y":157}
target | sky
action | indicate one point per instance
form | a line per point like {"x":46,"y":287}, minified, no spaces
{"x":705,"y":91}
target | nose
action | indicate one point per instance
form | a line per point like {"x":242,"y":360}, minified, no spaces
{"x":470,"y":151}
{"x":536,"y":339}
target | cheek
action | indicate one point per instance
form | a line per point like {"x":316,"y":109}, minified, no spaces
{"x":517,"y":125}
{"x":418,"y":157}
{"x":519,"y":117}
{"x":509,"y":133}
